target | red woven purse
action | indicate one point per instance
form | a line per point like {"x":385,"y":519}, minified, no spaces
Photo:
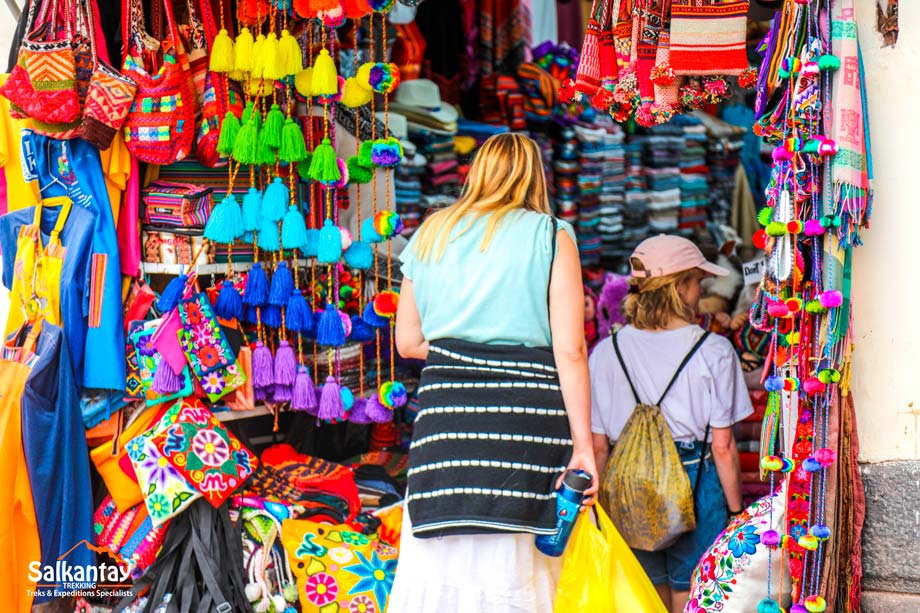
{"x":708,"y":37}
{"x":160,"y":126}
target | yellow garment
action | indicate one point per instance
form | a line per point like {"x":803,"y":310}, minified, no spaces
{"x":464,"y":145}
{"x":116,"y":164}
{"x":20,"y":544}
{"x":19,"y":193}
{"x":36,"y":292}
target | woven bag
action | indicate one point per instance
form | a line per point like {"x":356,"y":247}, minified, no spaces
{"x":708,"y":37}
{"x":598,"y":63}
{"x":160,"y":125}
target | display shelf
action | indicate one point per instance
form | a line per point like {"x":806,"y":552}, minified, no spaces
{"x":200,"y":269}
{"x":260,"y":411}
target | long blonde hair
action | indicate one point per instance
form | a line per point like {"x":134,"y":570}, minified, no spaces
{"x":653,"y":302}
{"x":506,"y":175}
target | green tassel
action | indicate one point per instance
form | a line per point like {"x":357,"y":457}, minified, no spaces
{"x":357,"y":173}
{"x":229,"y":128}
{"x":246,"y":145}
{"x":324,"y":167}
{"x":266,"y":155}
{"x":271,"y":132}
{"x":303,"y":168}
{"x":293,"y":148}
{"x":251,"y":112}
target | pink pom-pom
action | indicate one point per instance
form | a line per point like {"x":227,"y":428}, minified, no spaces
{"x":826,"y":456}
{"x":828,"y":147}
{"x":810,"y":68}
{"x":770,"y":538}
{"x":778,"y":309}
{"x":813,"y":386}
{"x":716,"y":87}
{"x":813,"y":227}
{"x":644,"y":115}
{"x":346,"y":238}
{"x":781,"y":154}
{"x":831,"y":299}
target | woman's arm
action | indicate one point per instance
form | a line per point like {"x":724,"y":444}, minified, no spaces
{"x":601,"y":451}
{"x":410,"y":342}
{"x":725,"y":457}
{"x":566,"y":318}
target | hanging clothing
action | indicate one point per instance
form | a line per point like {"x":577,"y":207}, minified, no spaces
{"x":54,"y":444}
{"x":571,"y":27}
{"x":76,"y":240}
{"x":73,"y":168}
{"x":544,"y":22}
{"x":501,"y":36}
{"x":15,"y":160}
{"x":19,"y":546}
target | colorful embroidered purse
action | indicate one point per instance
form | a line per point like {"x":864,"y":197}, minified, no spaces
{"x":177,"y":204}
{"x":129,"y":536}
{"x":203,"y":340}
{"x":598,"y":63}
{"x":708,"y":38}
{"x":149,"y":360}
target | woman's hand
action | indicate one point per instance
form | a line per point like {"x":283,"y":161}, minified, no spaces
{"x":584,"y":459}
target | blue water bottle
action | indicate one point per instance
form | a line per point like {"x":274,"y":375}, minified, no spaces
{"x":568,"y":504}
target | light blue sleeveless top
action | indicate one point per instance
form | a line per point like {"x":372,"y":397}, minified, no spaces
{"x":497,"y":296}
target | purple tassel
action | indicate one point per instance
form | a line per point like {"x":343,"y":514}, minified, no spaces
{"x":285,"y":365}
{"x":262,"y":369}
{"x":260,"y":394}
{"x":165,"y":381}
{"x":377,"y":411}
{"x":330,"y":402}
{"x":358,"y":413}
{"x":304,"y":395}
{"x":282,"y":393}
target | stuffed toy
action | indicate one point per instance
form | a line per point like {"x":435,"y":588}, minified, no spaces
{"x":610,"y":303}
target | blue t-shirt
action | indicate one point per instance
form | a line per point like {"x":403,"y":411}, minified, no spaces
{"x":497,"y":296}
{"x":77,"y":240}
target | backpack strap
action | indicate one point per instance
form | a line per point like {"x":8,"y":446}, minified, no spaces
{"x":683,"y":364}
{"x":616,"y":348}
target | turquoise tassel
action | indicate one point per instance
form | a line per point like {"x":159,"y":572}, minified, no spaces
{"x":252,"y":210}
{"x":311,"y":243}
{"x":293,"y":229}
{"x":268,"y":237}
{"x":275,"y":202}
{"x":225,"y":223}
{"x":329,"y":249}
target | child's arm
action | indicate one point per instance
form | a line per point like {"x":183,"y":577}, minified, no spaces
{"x":728,"y":466}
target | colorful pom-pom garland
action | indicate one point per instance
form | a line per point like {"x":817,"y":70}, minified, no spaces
{"x":392,"y":394}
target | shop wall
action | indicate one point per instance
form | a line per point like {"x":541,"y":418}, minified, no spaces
{"x":886,"y":362}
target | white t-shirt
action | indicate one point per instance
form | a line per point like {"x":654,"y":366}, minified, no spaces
{"x":710,"y":389}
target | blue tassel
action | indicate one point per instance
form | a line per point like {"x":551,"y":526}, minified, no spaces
{"x":275,"y":202}
{"x":330,"y":332}
{"x":282,"y":285}
{"x":256,"y":292}
{"x":293,"y":229}
{"x":311,"y":243}
{"x":172,"y":294}
{"x":229,"y":304}
{"x":225,"y":224}
{"x":359,"y":255}
{"x":268,"y":237}
{"x":329,"y":249}
{"x":299,"y":317}
{"x":361,"y":331}
{"x":252,"y":315}
{"x":372,"y":319}
{"x":252,"y":211}
{"x":369,"y":232}
{"x":271,"y":316}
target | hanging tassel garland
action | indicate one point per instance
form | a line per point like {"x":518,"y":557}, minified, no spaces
{"x":250,"y":112}
{"x":258,"y":58}
{"x":359,"y":255}
{"x":324,"y":166}
{"x":291,"y":55}
{"x":172,"y":294}
{"x":229,"y":303}
{"x":293,"y":229}
{"x":358,"y":413}
{"x":256,"y":292}
{"x":261,"y":394}
{"x":293,"y":148}
{"x":330,"y":332}
{"x":372,"y":318}
{"x":251,"y":315}
{"x":229,"y":129}
{"x":272,"y":69}
{"x":268,"y":237}
{"x":275,"y":202}
{"x":246,"y":144}
{"x":271,"y":131}
{"x":252,"y":210}
{"x":281,"y":286}
{"x":165,"y":381}
{"x":331,"y":407}
{"x":325,"y":78}
{"x":266,"y":155}
{"x":329,"y":249}
{"x":271,"y":316}
{"x":225,"y":224}
{"x":298,"y":315}
{"x":263,"y":370}
{"x":311,"y":244}
{"x":243,"y":50}
{"x":303,"y":397}
{"x":222,"y":59}
{"x":285,"y":365}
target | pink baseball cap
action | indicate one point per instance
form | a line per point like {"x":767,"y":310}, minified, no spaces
{"x":667,"y":254}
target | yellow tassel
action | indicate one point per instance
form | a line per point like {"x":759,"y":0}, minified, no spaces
{"x":290,"y":53}
{"x":258,"y":88}
{"x":236,"y":75}
{"x":363,"y":78}
{"x":258,"y":57}
{"x":355,"y":95}
{"x":242,"y":51}
{"x":272,"y":68}
{"x":325,"y":77}
{"x":222,"y":53}
{"x":303,"y":82}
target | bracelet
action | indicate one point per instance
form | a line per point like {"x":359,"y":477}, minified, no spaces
{"x":734,"y":513}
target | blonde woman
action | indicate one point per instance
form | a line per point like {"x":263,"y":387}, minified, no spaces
{"x":492,"y":298}
{"x":701,"y":401}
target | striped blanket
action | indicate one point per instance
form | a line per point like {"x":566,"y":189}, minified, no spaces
{"x":490,"y":439}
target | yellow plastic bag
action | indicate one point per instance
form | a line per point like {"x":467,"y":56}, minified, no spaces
{"x":600,"y":574}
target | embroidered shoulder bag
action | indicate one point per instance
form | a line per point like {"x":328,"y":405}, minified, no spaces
{"x":708,"y":37}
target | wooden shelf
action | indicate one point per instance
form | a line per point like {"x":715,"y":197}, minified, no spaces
{"x":201,"y":269}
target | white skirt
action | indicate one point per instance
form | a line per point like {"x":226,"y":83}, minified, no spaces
{"x":483,"y":573}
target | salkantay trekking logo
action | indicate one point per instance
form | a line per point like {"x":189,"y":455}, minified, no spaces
{"x":64,"y":579}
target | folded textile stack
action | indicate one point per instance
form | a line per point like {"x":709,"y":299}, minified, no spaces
{"x":662,"y":154}
{"x":613,"y":186}
{"x":546,"y":153}
{"x":408,"y":187}
{"x":442,"y":174}
{"x":694,"y":183}
{"x":566,"y":168}
{"x":635,"y":203}
{"x":723,"y":158}
{"x":591,"y":158}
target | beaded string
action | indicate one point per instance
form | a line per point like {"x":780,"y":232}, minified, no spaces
{"x":358,"y":204}
{"x":376,"y":253}
{"x":392,"y":320}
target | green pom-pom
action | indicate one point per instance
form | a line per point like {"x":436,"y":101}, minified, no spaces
{"x":814,"y":307}
{"x":358,"y":173}
{"x":324,"y":167}
{"x":365,"y":154}
{"x":811,"y":146}
{"x":293,"y":148}
{"x":783,"y":73}
{"x":776,"y":228}
{"x":246,"y":145}
{"x":828,"y":62}
{"x":229,"y":129}
{"x":768,"y":605}
{"x":765,"y":215}
{"x":270,"y":134}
